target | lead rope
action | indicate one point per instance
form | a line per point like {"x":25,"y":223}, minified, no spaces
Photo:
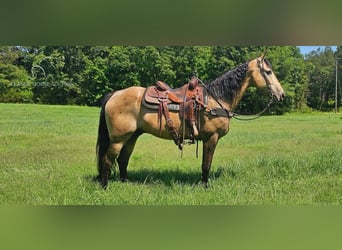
{"x":183,"y":111}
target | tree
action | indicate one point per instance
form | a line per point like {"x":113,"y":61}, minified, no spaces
{"x":338,"y":58}
{"x":51,"y":84}
{"x":121,"y":71}
{"x":322,"y":79}
{"x":293,"y":71}
{"x":15,"y":83}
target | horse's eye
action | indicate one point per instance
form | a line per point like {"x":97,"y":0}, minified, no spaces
{"x":268,"y":72}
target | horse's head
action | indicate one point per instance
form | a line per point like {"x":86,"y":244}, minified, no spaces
{"x":263,"y":76}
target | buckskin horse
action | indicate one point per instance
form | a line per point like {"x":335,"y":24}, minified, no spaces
{"x":199,"y":112}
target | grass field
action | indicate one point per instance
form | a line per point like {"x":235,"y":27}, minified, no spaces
{"x":47,"y":156}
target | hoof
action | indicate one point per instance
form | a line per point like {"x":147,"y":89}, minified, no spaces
{"x":104,"y":184}
{"x":205,"y":183}
{"x":123,"y":180}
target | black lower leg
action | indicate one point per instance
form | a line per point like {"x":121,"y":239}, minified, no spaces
{"x":125,"y":154}
{"x":104,"y":177}
{"x":205,"y":175}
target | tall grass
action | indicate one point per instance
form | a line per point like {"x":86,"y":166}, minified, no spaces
{"x":47,"y":156}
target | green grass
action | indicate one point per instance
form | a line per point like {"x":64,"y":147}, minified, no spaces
{"x":47,"y":156}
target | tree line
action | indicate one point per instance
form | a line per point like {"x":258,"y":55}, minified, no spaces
{"x":81,"y":75}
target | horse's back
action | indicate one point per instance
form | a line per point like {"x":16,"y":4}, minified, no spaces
{"x":125,"y":100}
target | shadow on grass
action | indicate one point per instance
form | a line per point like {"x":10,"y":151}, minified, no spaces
{"x":165,"y":177}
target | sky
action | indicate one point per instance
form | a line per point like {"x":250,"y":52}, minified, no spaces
{"x":308,"y":49}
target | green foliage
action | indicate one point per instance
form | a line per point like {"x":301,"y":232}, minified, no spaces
{"x":322,"y":79}
{"x":83,"y":74}
{"x":15,"y":85}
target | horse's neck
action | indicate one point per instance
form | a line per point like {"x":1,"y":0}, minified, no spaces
{"x":230,"y":87}
{"x":232,"y":104}
{"x":240,"y":93}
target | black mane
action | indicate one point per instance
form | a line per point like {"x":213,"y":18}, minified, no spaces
{"x":229,"y":84}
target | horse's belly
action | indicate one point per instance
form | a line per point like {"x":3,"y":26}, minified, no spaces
{"x":151,"y":124}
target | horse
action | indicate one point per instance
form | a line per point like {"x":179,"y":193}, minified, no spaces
{"x":123,"y":118}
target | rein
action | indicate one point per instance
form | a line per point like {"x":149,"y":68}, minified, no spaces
{"x":255,"y":116}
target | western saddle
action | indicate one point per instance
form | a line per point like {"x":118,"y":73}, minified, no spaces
{"x":187,"y":100}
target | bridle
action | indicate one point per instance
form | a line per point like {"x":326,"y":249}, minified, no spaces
{"x":264,"y":73}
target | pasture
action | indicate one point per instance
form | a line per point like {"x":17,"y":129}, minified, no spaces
{"x":47,"y":156}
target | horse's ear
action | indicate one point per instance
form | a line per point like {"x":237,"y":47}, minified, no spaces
{"x":264,"y":55}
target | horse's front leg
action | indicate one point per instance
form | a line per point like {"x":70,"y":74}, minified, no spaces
{"x":209,"y":146}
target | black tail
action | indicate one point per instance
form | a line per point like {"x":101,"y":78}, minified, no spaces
{"x":102,"y":143}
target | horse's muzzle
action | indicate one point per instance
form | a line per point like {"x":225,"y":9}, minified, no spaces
{"x":279,"y":96}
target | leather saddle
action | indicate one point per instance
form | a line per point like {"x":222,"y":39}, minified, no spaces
{"x":187,"y":100}
{"x":163,"y":92}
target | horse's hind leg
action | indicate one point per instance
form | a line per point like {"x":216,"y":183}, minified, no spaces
{"x":125,"y":154}
{"x":105,"y":171}
{"x":108,"y":160}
